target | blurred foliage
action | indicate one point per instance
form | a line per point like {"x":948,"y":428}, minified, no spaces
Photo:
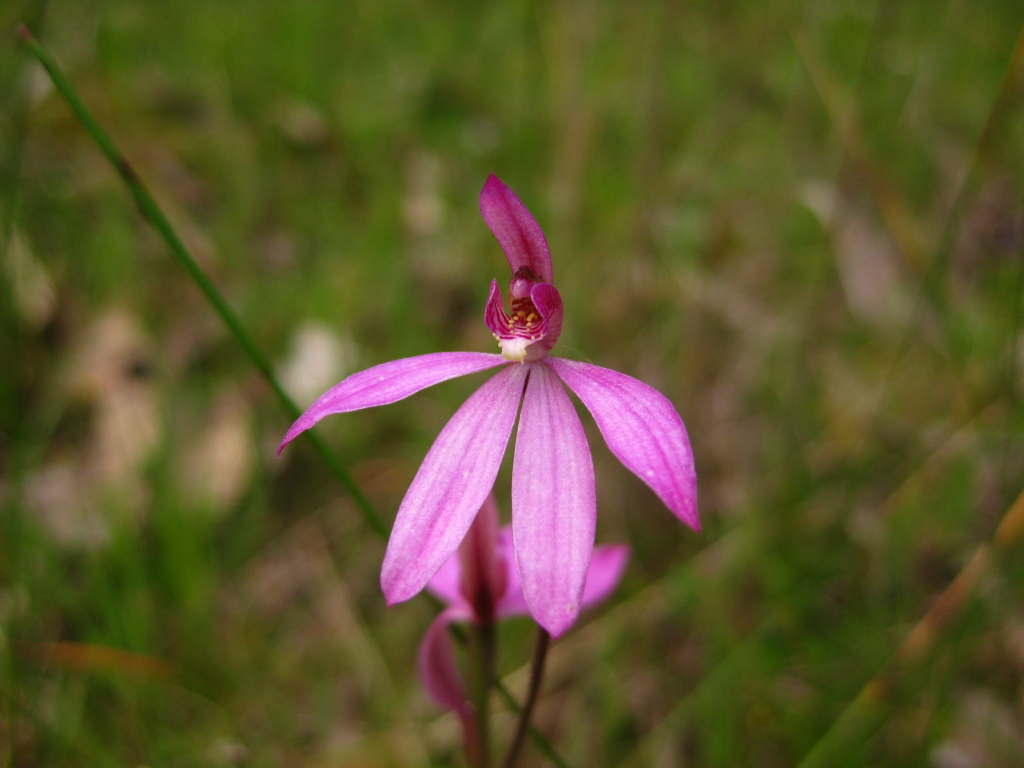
{"x":803,"y":222}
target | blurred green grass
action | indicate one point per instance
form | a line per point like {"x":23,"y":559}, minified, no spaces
{"x":804,"y":222}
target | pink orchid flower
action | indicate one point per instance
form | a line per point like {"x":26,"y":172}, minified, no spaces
{"x":554,"y":506}
{"x":479,"y":584}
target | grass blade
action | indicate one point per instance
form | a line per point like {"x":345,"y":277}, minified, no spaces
{"x":154,"y":215}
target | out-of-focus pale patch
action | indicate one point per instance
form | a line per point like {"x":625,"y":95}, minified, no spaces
{"x":60,"y":497}
{"x":224,"y":751}
{"x":38,"y":84}
{"x":113,"y":371}
{"x":218,"y":462}
{"x":850,"y":400}
{"x":1013,"y":640}
{"x":423,"y":208}
{"x":302,"y":122}
{"x":985,"y":731}
{"x":93,"y":486}
{"x":866,"y":258}
{"x":32,"y":288}
{"x":317,"y":359}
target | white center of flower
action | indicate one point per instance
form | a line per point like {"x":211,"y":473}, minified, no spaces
{"x":514,"y":349}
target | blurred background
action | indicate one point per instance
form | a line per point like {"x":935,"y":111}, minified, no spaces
{"x":803,"y":222}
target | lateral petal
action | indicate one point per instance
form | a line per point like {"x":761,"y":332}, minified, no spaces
{"x":451,"y":485}
{"x":554,"y":505}
{"x":389,"y":383}
{"x":641,"y":428}
{"x":520,"y":235}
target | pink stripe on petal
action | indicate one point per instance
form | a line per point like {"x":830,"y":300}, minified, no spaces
{"x":520,"y":235}
{"x":389,"y":383}
{"x":641,"y":428}
{"x":451,"y":485}
{"x":605,"y":572}
{"x":554,"y":506}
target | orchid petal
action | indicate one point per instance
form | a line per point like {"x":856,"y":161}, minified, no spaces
{"x":446,"y":584}
{"x":451,"y":485}
{"x":495,"y":317}
{"x":526,"y":339}
{"x":389,"y":383}
{"x":520,"y":235}
{"x":642,"y":430}
{"x":554,"y":504}
{"x":603,"y":575}
{"x":437,"y":666}
{"x":483,"y":569}
{"x":546,"y":299}
{"x":485,"y":553}
{"x":439,"y":674}
{"x":605,"y":572}
{"x":512,"y":603}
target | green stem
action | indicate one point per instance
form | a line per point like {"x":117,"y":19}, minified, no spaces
{"x":539,"y":739}
{"x":540,"y":654}
{"x":483,"y":651}
{"x":152,"y":213}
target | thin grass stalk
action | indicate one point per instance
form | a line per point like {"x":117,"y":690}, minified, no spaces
{"x":155,"y":216}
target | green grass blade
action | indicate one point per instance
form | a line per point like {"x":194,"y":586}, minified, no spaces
{"x":155,"y":216}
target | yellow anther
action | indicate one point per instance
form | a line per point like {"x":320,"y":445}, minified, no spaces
{"x":521,"y":314}
{"x":532,"y":317}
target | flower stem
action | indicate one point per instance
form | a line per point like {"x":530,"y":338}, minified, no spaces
{"x":540,"y":654}
{"x":155,"y":216}
{"x":483,"y":647}
{"x":539,"y":739}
